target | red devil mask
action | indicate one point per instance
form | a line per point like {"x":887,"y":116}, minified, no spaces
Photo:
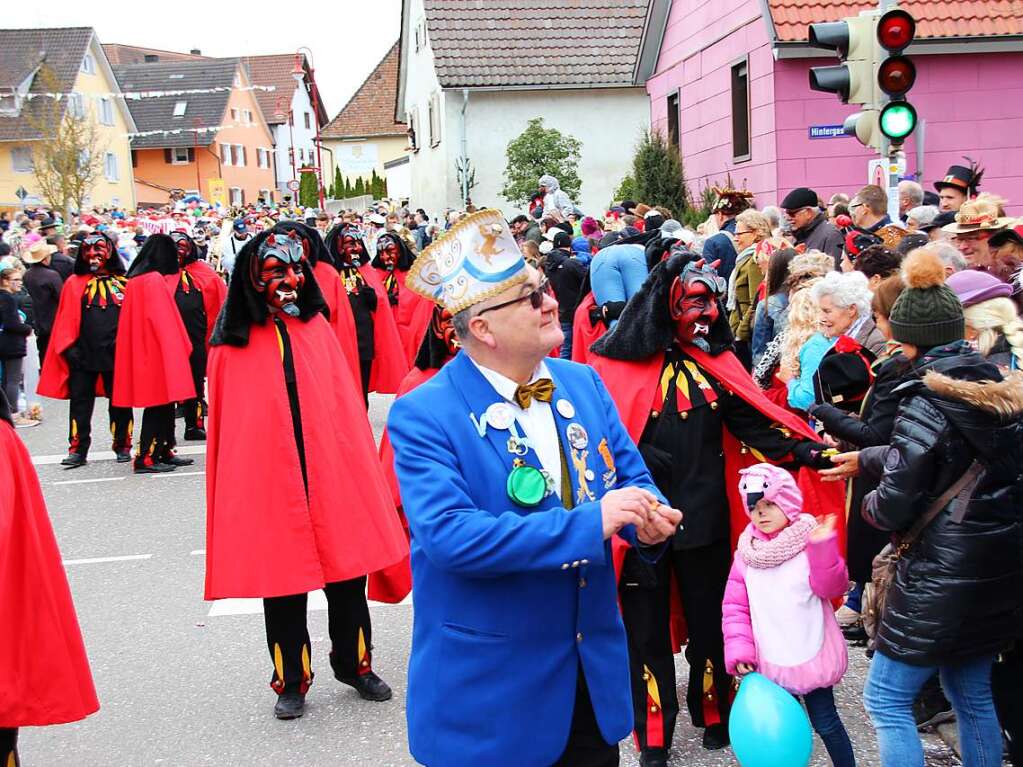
{"x":444,"y":329}
{"x":279,"y":272}
{"x":693,"y":302}
{"x":183,"y":245}
{"x":96,"y":251}
{"x":350,"y":249}
{"x":388,"y":250}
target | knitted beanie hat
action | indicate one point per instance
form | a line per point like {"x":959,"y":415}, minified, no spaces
{"x":927,"y":313}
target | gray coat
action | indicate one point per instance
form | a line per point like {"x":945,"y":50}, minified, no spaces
{"x":820,"y":234}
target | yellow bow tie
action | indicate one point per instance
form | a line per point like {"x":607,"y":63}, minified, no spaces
{"x":541,"y":389}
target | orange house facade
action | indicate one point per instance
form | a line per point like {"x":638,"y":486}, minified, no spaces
{"x":207,"y":136}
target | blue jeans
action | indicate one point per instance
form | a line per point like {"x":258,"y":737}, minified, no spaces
{"x":820,"y":706}
{"x":617,"y":273}
{"x":566,"y":345}
{"x":888,"y":697}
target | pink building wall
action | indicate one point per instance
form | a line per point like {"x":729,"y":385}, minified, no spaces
{"x":973,"y":105}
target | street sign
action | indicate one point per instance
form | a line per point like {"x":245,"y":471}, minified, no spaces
{"x":826,"y":131}
{"x":21,"y":193}
{"x":293,"y":185}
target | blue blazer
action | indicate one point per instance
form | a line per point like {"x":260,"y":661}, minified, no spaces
{"x":509,"y":601}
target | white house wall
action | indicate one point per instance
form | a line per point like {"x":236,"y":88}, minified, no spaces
{"x":608,"y":122}
{"x":305,"y":139}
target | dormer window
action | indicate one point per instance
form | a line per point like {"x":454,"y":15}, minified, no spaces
{"x":179,"y":108}
{"x":88,"y":64}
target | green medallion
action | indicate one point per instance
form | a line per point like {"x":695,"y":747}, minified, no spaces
{"x":526,"y":486}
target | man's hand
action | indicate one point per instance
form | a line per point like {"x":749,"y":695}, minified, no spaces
{"x":619,"y":508}
{"x":846,"y":466}
{"x":661,"y":525}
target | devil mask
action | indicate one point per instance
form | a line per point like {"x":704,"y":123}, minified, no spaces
{"x":345,"y":247}
{"x":186,"y":248}
{"x":678,"y":303}
{"x":278,"y":272}
{"x":94,"y":253}
{"x":393,"y":253}
{"x":439,"y":342}
{"x":270,"y":273}
{"x":693,"y":302}
{"x":312,"y":243}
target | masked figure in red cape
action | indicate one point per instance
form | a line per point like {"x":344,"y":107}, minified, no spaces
{"x":151,"y":366}
{"x":694,"y":412}
{"x":411,"y":311}
{"x":341,"y":318}
{"x":44,"y":672}
{"x":310,"y":508}
{"x":199,"y":298}
{"x":79,"y":362}
{"x":382,"y":361}
{"x":438,"y":346}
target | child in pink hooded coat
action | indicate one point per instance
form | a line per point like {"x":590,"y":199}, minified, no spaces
{"x":776,"y":617}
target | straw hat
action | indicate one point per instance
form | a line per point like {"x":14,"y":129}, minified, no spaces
{"x":977,"y":216}
{"x":38,"y":252}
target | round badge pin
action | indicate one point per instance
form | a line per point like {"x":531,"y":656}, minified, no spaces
{"x":566,"y":408}
{"x":526,"y":486}
{"x":577,"y":436}
{"x":500,"y":416}
{"x":590,"y":476}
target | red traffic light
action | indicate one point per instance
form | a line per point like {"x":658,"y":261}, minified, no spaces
{"x":895,"y":30}
{"x":896,"y":75}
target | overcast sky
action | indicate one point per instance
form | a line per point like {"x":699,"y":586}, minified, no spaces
{"x":347,"y":37}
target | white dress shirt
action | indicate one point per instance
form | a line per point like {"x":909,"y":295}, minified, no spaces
{"x":535,"y":422}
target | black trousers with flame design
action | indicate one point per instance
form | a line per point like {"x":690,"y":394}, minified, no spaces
{"x":156,"y":438}
{"x":9,"y":747}
{"x":645,"y":591}
{"x":82,"y":393}
{"x":195,"y":409}
{"x":287,"y":636}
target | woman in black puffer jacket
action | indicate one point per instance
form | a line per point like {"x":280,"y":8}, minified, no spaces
{"x":955,"y":601}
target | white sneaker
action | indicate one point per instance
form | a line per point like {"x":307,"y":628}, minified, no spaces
{"x":846,"y":617}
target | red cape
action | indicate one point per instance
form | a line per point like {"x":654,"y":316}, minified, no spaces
{"x":44,"y":670}
{"x":394,"y":583}
{"x":66,"y":326}
{"x":584,"y":333}
{"x":214,"y":292}
{"x":412,"y":315}
{"x":263,"y":538}
{"x":151,"y":362}
{"x":389,"y":362}
{"x":341,"y":318}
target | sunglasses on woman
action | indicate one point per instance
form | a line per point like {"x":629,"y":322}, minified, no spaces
{"x":535,"y":297}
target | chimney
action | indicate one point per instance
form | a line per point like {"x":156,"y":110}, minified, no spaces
{"x":195,"y":52}
{"x":150,"y":58}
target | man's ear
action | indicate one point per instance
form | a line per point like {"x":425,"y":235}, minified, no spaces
{"x":479,"y":331}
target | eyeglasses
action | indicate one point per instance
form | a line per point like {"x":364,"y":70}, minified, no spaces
{"x":744,"y":231}
{"x":535,"y":297}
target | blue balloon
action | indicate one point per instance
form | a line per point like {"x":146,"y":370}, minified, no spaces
{"x":768,"y":727}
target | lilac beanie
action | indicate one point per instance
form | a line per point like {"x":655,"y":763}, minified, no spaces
{"x":973,"y":287}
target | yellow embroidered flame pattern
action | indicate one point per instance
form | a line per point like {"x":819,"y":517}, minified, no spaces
{"x":651,"y":687}
{"x":362,"y":660}
{"x":278,"y":662}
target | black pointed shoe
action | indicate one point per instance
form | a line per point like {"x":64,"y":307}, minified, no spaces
{"x":290,"y":705}
{"x":153,"y":468}
{"x":174,"y":460}
{"x":195,"y":434}
{"x":73,"y":461}
{"x":123,"y":456}
{"x":653,"y":757}
{"x":368,"y":685}
{"x":715,"y":737}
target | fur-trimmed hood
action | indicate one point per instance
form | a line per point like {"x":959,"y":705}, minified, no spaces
{"x":1001,"y":398}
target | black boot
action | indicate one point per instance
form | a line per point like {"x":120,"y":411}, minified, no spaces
{"x":715,"y":737}
{"x":73,"y":461}
{"x":149,"y":466}
{"x":195,"y":434}
{"x":123,"y":456}
{"x":653,"y":757}
{"x":290,"y":705}
{"x":369,"y":686}
{"x":173,"y":460}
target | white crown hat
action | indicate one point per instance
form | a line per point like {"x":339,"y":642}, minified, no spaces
{"x":478,"y":258}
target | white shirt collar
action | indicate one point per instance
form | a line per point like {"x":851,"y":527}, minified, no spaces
{"x":504,"y":385}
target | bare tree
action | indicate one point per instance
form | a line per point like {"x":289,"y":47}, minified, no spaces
{"x":67,"y":159}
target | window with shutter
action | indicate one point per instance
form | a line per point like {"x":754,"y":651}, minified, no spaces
{"x":21,"y":159}
{"x":225,"y":154}
{"x":740,"y":111}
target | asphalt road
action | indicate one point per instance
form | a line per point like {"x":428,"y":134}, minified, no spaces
{"x":185,"y":682}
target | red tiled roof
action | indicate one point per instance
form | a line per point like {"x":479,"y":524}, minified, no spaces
{"x":120,"y":55}
{"x":522,"y":42}
{"x":370,"y":112}
{"x":273,"y":70}
{"x":958,"y":18}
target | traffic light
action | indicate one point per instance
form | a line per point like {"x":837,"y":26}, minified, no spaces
{"x":854,"y":41}
{"x":895,"y":76}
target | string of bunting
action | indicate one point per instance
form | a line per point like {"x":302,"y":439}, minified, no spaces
{"x":199,"y":129}
{"x":137,"y":95}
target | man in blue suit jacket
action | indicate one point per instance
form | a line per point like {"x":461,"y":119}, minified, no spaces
{"x":515,"y":472}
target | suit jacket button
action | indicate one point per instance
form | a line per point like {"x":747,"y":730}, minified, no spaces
{"x":576,"y":563}
{"x":579,"y":637}
{"x":584,"y":561}
{"x":564,"y":566}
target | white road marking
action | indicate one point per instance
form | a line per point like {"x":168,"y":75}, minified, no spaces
{"x":317,"y":601}
{"x":108,"y":455}
{"x":197,"y":552}
{"x":87,"y":481}
{"x":180,"y":474}
{"x":99,"y":560}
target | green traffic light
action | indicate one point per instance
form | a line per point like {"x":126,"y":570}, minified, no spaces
{"x":898,"y":119}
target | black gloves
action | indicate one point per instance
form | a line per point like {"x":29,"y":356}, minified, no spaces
{"x":809,"y":453}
